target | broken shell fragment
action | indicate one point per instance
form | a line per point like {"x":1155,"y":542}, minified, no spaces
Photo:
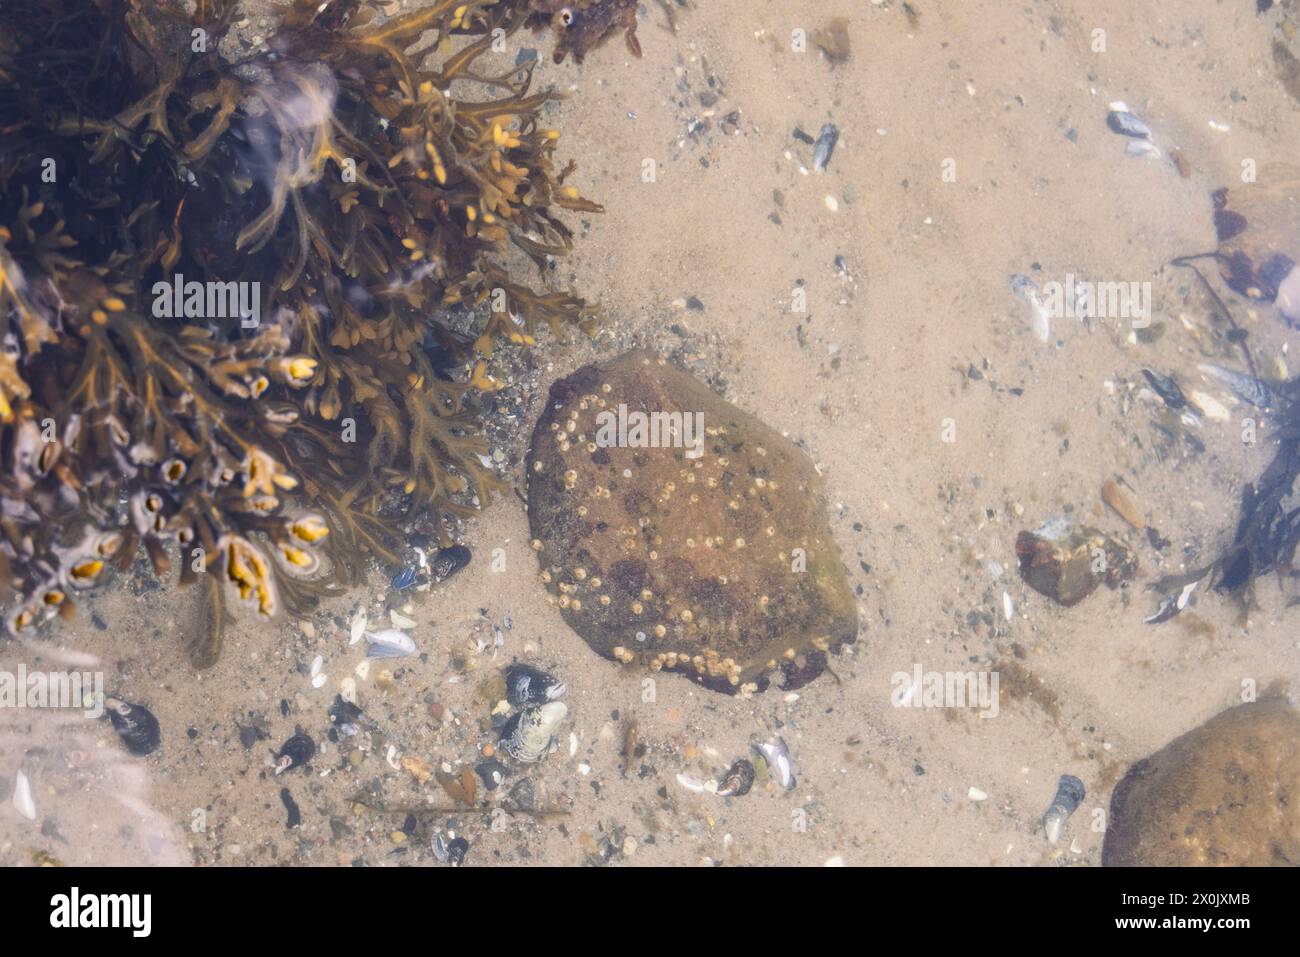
{"x":1209,"y":406}
{"x":452,"y":851}
{"x":1069,"y":795}
{"x":1167,"y":388}
{"x":295,"y":752}
{"x":1222,"y":794}
{"x":1245,"y":387}
{"x":528,"y":735}
{"x":825,"y":146}
{"x":1173,"y":602}
{"x":776,"y":756}
{"x":1118,"y":499}
{"x":1125,"y":123}
{"x":527,"y":685}
{"x":738,"y":779}
{"x":1066,"y":562}
{"x":389,"y":643}
{"x":1143,"y":148}
{"x":345,"y":714}
{"x":1040,"y":318}
{"x":22,"y":798}
{"x":135,"y":725}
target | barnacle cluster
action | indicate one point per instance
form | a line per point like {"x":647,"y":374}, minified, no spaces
{"x":249,"y":303}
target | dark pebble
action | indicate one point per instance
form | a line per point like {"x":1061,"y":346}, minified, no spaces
{"x":295,"y":815}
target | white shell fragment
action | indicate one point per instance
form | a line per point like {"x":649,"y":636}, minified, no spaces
{"x":1143,"y":148}
{"x":1171,"y":605}
{"x":694,"y":785}
{"x":359,"y":623}
{"x":348,"y":690}
{"x":390,"y":643}
{"x":528,"y":736}
{"x":1288,"y":297}
{"x":777,"y":756}
{"x":1069,"y":793}
{"x":22,"y":798}
{"x":825,"y":146}
{"x":1040,"y":319}
{"x":1209,"y":406}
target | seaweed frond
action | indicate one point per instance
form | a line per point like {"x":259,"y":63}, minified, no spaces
{"x":249,"y":306}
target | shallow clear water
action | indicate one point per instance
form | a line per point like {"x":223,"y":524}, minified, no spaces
{"x":867,"y":312}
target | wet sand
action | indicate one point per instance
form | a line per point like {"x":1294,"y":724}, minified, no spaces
{"x":917,"y":340}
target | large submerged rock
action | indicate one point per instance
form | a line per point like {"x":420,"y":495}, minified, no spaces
{"x":677,"y":531}
{"x":1226,"y":793}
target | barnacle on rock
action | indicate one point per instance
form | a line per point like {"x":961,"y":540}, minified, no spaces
{"x":249,"y":301}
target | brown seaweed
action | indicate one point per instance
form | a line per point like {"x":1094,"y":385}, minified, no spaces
{"x":368,"y":207}
{"x":1257,"y":232}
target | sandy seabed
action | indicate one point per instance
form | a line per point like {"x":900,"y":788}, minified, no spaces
{"x":973,"y":146}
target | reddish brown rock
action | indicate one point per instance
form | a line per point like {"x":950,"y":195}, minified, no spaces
{"x":1067,"y":562}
